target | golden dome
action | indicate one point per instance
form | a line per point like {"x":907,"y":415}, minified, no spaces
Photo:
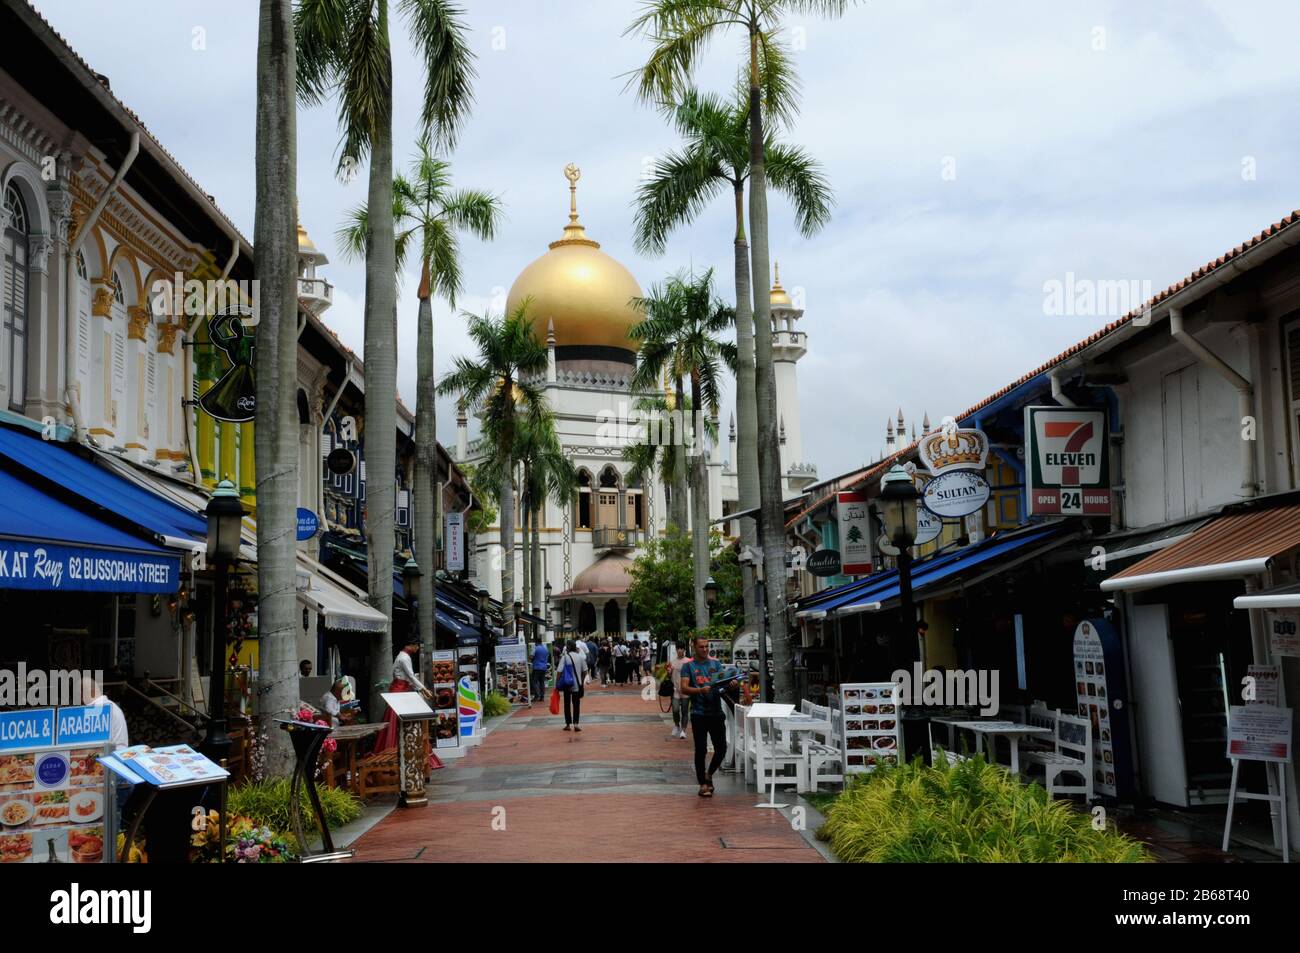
{"x":307,"y":247}
{"x":579,"y":288}
{"x":779,"y":297}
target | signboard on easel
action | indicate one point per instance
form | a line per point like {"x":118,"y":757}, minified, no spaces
{"x":1260,"y":733}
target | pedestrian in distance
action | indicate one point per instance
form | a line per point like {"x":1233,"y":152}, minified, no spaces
{"x":569,"y":676}
{"x":537,"y":674}
{"x":708,"y":723}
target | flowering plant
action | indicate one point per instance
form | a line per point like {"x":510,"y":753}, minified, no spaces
{"x":246,"y":842}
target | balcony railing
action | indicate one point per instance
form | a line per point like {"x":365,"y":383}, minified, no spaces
{"x":316,"y":289}
{"x":615,"y":537}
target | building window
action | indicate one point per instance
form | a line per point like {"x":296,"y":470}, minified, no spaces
{"x":15,"y":275}
{"x":584,"y":500}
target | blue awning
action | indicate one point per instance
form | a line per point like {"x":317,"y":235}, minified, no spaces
{"x":883,"y":587}
{"x":67,"y":474}
{"x":50,"y":546}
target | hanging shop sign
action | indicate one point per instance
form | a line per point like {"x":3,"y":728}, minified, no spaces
{"x":340,"y":461}
{"x":1067,"y":461}
{"x":1259,"y":733}
{"x":233,"y":398}
{"x":825,"y":562}
{"x":951,"y":448}
{"x":308,"y":524}
{"x":50,"y":567}
{"x":1284,"y":632}
{"x":855,"y":532}
{"x":956,"y":493}
{"x":928,"y":526}
{"x":454,"y":542}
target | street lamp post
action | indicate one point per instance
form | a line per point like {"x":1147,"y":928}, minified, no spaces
{"x":225,"y":515}
{"x":899,"y":500}
{"x":711,"y":595}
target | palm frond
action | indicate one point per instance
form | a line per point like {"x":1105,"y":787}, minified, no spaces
{"x":440,"y":39}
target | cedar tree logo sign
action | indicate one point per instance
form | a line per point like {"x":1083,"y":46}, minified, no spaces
{"x":1068,"y":461}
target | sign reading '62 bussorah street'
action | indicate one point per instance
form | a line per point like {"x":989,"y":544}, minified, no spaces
{"x":1067,"y":461}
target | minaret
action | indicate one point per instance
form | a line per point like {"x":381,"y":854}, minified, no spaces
{"x":890,"y":446}
{"x":715,"y":472}
{"x":733,"y":463}
{"x":550,"y":350}
{"x":789,"y":345}
{"x":462,"y":432}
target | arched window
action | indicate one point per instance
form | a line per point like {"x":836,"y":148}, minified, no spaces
{"x":15,"y":276}
{"x":607,"y":499}
{"x":583,"y":504}
{"x":82,"y":273}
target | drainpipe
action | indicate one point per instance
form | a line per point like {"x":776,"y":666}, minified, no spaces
{"x":1245,"y":393}
{"x":195,"y":477}
{"x":1058,"y":395}
{"x":71,"y":292}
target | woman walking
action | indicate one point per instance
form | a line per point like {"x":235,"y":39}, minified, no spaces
{"x":569,"y":676}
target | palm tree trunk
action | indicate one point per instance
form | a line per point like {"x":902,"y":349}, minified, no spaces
{"x":700,"y":502}
{"x":525,"y":512}
{"x":276,"y":434}
{"x":506,"y":502}
{"x":678,"y":512}
{"x":381,"y":381}
{"x":426,"y":466}
{"x":538,"y":581}
{"x":772,"y":529}
{"x":746,"y":463}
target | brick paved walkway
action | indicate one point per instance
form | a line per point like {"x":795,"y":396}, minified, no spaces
{"x":624,"y":784}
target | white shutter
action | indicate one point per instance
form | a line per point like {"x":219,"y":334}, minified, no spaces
{"x":83,"y":332}
{"x":119,"y":363}
{"x":363,"y":471}
{"x":325,"y":444}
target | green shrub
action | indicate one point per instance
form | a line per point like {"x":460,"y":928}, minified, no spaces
{"x":964,"y":813}
{"x":266,"y":803}
{"x":495,"y":704}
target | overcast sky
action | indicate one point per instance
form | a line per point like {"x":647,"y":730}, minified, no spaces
{"x":977,"y":151}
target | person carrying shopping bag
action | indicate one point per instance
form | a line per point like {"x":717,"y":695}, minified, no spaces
{"x":570,"y":673}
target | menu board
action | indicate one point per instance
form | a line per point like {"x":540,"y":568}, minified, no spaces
{"x":1094,"y":704}
{"x":873,"y":730}
{"x":512,"y":670}
{"x":171,"y":767}
{"x":53,"y":799}
{"x":1264,"y":681}
{"x":467,"y":662}
{"x":446,"y":719}
{"x":1259,"y":733}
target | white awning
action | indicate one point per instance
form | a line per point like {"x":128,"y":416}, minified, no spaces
{"x":1281,"y":597}
{"x":336,"y":600}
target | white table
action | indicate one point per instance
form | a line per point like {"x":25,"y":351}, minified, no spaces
{"x":986,"y":732}
{"x":770,"y":712}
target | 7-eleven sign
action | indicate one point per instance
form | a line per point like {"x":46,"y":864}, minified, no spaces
{"x":1067,"y":461}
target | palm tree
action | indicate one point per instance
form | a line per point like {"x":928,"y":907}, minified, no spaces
{"x":678,"y":335}
{"x":546,"y":474}
{"x":500,"y":382}
{"x":427,"y":210}
{"x":681,"y":31}
{"x":713,"y":159}
{"x":344,"y":51}
{"x":275,"y":262}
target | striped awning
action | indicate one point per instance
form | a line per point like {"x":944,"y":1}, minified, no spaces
{"x":1231,"y":546}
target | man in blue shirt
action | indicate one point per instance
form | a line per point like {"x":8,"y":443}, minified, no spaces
{"x":707,"y":719}
{"x":541,"y":658}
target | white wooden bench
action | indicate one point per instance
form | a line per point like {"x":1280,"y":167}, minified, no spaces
{"x":822,"y":748}
{"x":1071,"y":754}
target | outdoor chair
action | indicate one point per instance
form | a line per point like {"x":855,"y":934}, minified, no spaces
{"x":1071,"y":755}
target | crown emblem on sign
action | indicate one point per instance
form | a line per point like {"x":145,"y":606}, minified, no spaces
{"x":954,"y":448}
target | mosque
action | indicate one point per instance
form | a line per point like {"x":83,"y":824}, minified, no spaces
{"x":580,"y":305}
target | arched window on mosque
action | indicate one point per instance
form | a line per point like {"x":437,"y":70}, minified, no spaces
{"x":582,"y":505}
{"x":634,"y":503}
{"x":607,"y":498}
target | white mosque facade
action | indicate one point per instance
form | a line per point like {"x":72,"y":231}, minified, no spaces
{"x":580,"y":304}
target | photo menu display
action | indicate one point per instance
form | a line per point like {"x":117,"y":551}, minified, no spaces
{"x":1094,"y":704}
{"x":873,"y":730}
{"x":53,"y":799}
{"x":446,"y":720}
